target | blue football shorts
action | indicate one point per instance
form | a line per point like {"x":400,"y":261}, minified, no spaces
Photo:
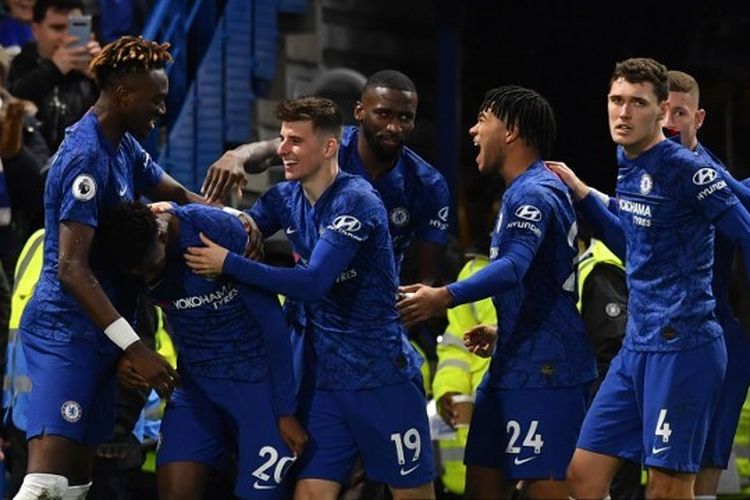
{"x":655,"y":408}
{"x":206,"y":419}
{"x":387,"y":426}
{"x":527,"y":433}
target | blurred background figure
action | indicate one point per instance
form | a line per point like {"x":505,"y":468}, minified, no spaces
{"x":52,"y":71}
{"x":15,"y":24}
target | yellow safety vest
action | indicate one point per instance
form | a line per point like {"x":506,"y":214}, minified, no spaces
{"x":16,"y":381}
{"x":460,"y":371}
{"x":165,"y":347}
{"x":597,"y":253}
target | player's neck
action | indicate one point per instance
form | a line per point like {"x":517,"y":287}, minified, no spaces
{"x":111,"y":125}
{"x":316,"y":185}
{"x":372,"y":165}
{"x":517,"y":164}
{"x":636,"y":149}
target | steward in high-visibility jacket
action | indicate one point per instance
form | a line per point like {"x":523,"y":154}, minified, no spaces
{"x":16,"y":383}
{"x":602,"y":302}
{"x":154,"y":409}
{"x":459,"y":371}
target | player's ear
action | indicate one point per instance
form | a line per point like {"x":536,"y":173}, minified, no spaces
{"x":663,"y":110}
{"x":331,"y":148}
{"x":123,"y":95}
{"x":512,"y":134}
{"x":162,"y":230}
{"x":700,"y":115}
{"x":359,"y":111}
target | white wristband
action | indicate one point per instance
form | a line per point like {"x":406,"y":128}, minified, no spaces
{"x":232,"y":211}
{"x":121,"y":333}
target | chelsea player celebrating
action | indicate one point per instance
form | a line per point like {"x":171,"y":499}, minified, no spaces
{"x":530,"y":405}
{"x":659,"y":396}
{"x":235,"y":358}
{"x":70,"y":362}
{"x":361,"y":391}
{"x":415,"y":194}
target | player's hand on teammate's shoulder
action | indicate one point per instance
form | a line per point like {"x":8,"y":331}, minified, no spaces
{"x":480,"y":340}
{"x":418,"y":303}
{"x":153,"y":368}
{"x":293,"y":434}
{"x":207,"y":260}
{"x":566,"y":174}
{"x":254,"y":249}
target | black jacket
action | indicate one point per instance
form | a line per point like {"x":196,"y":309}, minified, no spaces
{"x":62,"y":99}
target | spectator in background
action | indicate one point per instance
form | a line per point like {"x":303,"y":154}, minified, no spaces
{"x":52,"y":73}
{"x":24,"y":154}
{"x":15,"y":24}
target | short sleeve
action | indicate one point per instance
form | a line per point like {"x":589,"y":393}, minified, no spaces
{"x":434,"y":212}
{"x":83,"y":189}
{"x":351,"y":219}
{"x":222,"y":228}
{"x":146,"y":172}
{"x":265,"y":211}
{"x":525,"y":221}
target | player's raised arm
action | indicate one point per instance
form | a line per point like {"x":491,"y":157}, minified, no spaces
{"x":229,"y":171}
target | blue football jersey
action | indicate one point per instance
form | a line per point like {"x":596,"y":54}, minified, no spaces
{"x":87,"y":175}
{"x":541,"y":338}
{"x":667,"y":199}
{"x":358,"y":340}
{"x":415,"y":195}
{"x":722,"y":271}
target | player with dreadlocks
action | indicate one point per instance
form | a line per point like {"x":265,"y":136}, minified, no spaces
{"x":71,"y":364}
{"x":530,"y":406}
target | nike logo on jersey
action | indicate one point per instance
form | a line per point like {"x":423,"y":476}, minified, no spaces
{"x":521,"y":461}
{"x":290,"y":230}
{"x":263,"y":486}
{"x":122,"y":190}
{"x":406,"y":472}
{"x":656,"y":451}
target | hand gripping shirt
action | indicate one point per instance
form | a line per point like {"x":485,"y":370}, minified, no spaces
{"x":667,"y":198}
{"x":541,"y":338}
{"x":222,"y":330}
{"x":87,"y":175}
{"x":357,"y":338}
{"x":415,"y":195}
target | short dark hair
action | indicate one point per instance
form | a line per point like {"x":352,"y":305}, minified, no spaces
{"x":125,"y":234}
{"x":679,"y":81}
{"x":526,"y":110}
{"x":390,"y":79}
{"x":643,"y":69}
{"x":42,"y":6}
{"x":322,"y":112}
{"x":128,"y":54}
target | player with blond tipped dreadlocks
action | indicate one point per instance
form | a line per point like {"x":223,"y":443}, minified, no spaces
{"x":74,"y":329}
